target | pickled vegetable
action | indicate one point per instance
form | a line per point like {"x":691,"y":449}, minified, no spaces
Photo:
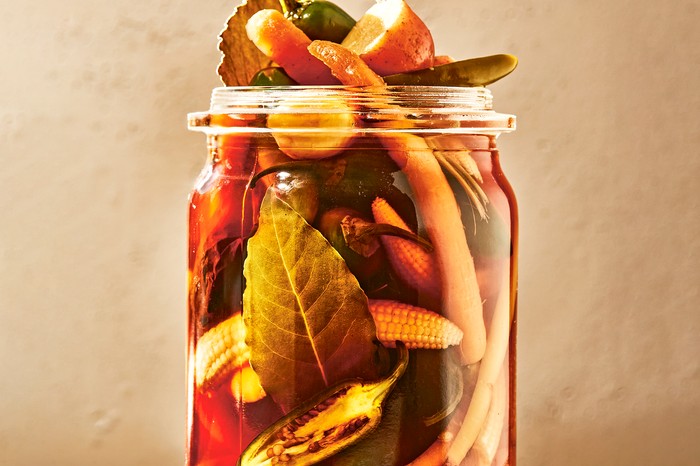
{"x":328,"y":423}
{"x":302,"y":301}
{"x":320,"y":19}
{"x":272,"y":76}
{"x":364,"y":265}
{"x":300,"y":192}
{"x":466,"y":73}
{"x":332,"y":225}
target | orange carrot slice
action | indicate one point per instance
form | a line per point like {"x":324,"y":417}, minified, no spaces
{"x":285,"y":44}
{"x":345,"y":65}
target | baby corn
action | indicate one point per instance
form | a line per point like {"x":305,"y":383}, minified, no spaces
{"x":220,"y":351}
{"x":412,"y":263}
{"x":414,"y":326}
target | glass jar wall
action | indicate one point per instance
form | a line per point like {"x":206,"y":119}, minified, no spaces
{"x":352,"y":279}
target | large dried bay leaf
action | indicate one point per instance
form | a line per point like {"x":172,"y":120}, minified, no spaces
{"x":307,"y":317}
{"x":241,"y":58}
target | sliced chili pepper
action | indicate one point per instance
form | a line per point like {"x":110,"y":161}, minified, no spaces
{"x":334,"y":420}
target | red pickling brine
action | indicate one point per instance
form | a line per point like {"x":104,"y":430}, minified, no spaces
{"x":352,"y":279}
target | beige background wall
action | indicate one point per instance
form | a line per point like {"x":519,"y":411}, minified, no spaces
{"x":96,"y":165}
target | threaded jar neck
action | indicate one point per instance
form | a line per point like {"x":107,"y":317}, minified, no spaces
{"x":382,"y":108}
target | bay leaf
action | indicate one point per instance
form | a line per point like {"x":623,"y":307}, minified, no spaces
{"x":241,"y":58}
{"x":308,"y":320}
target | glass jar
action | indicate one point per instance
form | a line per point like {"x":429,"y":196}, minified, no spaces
{"x":352,"y":279}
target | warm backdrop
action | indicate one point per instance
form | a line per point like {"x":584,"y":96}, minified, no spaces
{"x":96,"y":165}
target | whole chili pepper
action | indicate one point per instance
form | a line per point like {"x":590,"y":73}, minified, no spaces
{"x":319,"y":19}
{"x":466,"y":73}
{"x":272,"y":76}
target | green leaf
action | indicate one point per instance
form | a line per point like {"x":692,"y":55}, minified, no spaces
{"x":308,"y":321}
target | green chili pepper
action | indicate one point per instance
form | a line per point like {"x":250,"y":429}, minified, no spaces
{"x":321,"y":20}
{"x":466,"y":73}
{"x":327,"y":424}
{"x":272,"y":76}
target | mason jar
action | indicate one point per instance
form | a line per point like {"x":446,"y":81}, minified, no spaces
{"x":352,"y":279}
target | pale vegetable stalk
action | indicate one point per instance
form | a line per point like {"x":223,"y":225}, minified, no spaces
{"x":459,"y":437}
{"x":494,"y":357}
{"x":503,"y":450}
{"x":436,"y":203}
{"x":486,"y":445}
{"x":440,"y":213}
{"x":456,"y":159}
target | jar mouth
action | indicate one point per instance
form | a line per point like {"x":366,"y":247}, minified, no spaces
{"x":382,"y":108}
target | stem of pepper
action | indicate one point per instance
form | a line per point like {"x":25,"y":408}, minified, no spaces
{"x":289,"y":5}
{"x":359,"y":229}
{"x":286,"y":166}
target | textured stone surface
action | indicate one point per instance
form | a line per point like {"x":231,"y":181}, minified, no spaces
{"x":97,"y":165}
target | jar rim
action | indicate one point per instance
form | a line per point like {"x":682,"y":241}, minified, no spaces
{"x":471,"y":106}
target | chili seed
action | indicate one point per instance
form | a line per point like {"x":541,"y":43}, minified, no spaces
{"x":292,"y":442}
{"x":278,"y":449}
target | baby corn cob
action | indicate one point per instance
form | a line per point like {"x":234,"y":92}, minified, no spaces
{"x":414,"y":326}
{"x":220,"y":351}
{"x":412,"y":263}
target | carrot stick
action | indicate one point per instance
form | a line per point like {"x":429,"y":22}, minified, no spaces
{"x":285,"y":44}
{"x":436,"y":453}
{"x":344,"y":64}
